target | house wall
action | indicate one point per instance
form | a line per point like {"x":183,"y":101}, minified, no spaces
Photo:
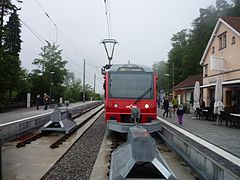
{"x":185,"y":96}
{"x":231,"y":55}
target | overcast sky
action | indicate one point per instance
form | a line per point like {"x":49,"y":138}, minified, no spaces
{"x":143,"y":29}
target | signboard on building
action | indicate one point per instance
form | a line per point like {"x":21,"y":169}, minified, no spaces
{"x":216,"y":63}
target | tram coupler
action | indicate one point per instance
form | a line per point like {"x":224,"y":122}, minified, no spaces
{"x":139,"y":158}
{"x":60,"y":121}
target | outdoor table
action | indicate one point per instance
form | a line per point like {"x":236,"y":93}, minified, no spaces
{"x":205,"y":113}
{"x":235,"y":119}
{"x":236,"y":115}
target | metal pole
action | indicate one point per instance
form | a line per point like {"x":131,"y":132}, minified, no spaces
{"x":0,"y":154}
{"x":173,"y":75}
{"x":94,"y":85}
{"x":0,"y":159}
{"x":50,"y":93}
{"x":84,"y":80}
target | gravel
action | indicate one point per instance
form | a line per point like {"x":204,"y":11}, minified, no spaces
{"x":78,"y":162}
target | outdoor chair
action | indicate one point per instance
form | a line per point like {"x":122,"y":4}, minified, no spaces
{"x":223,"y":116}
{"x":198,"y":113}
{"x":209,"y":114}
{"x":235,"y":121}
{"x":228,"y":118}
{"x":205,"y":113}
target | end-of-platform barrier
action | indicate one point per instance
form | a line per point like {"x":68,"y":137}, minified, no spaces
{"x":139,"y":158}
{"x":17,"y":128}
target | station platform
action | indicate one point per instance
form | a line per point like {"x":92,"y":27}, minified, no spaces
{"x":212,"y":150}
{"x":22,"y":113}
{"x":226,"y":138}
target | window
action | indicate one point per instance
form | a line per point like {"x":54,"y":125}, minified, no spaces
{"x":131,"y":85}
{"x":213,"y":50}
{"x":206,"y":70}
{"x":228,"y":98}
{"x":233,"y":40}
{"x":222,"y":41}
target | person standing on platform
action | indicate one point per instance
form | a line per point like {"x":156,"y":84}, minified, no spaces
{"x":45,"y":99}
{"x":38,"y":101}
{"x":180,"y":113}
{"x":165,"y":106}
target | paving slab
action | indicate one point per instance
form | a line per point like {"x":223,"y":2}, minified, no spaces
{"x":226,"y":138}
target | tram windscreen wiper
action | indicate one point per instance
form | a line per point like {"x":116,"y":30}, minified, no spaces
{"x":140,"y":97}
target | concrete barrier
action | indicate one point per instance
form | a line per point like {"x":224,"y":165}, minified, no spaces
{"x":19,"y":127}
{"x":208,"y":160}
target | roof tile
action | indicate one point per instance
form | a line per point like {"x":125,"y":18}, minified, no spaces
{"x":190,"y":81}
{"x":233,"y":21}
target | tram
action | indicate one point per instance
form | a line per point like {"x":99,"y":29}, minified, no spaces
{"x":129,"y":89}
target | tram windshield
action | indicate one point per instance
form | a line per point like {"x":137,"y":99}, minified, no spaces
{"x":131,"y":85}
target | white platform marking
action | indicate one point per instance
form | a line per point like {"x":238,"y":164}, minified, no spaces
{"x":221,"y":152}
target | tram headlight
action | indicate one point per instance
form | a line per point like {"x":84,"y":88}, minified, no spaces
{"x":115,"y":105}
{"x":146,"y":106}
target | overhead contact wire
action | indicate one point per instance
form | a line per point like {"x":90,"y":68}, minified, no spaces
{"x":35,"y":33}
{"x":107,"y":18}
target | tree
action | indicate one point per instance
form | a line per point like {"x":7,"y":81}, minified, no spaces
{"x":160,"y":68}
{"x":69,"y":79}
{"x":90,"y":94}
{"x":188,"y":45}
{"x":23,"y":84}
{"x":176,"y":55}
{"x":235,"y":10}
{"x":10,"y":45}
{"x":12,"y":40}
{"x":222,"y":6}
{"x":73,"y":91}
{"x":50,"y":72}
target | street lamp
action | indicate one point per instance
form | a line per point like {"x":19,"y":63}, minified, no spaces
{"x":51,"y":83}
{"x":168,"y":88}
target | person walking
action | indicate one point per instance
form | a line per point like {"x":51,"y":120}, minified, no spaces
{"x":175,"y":104}
{"x":38,"y":101}
{"x":159,"y":101}
{"x":180,"y":113}
{"x":165,"y":106}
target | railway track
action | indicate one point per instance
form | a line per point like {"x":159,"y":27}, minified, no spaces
{"x":116,"y":140}
{"x":79,"y":125}
{"x":180,"y":168}
{"x":38,"y":153}
{"x":37,"y":135}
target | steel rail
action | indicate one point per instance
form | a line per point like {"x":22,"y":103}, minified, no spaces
{"x":40,"y":134}
{"x":29,"y":140}
{"x":66,"y":136}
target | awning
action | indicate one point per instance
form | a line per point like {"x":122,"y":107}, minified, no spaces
{"x":233,"y":83}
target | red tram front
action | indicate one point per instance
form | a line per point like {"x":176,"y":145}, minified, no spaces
{"x":129,"y":86}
